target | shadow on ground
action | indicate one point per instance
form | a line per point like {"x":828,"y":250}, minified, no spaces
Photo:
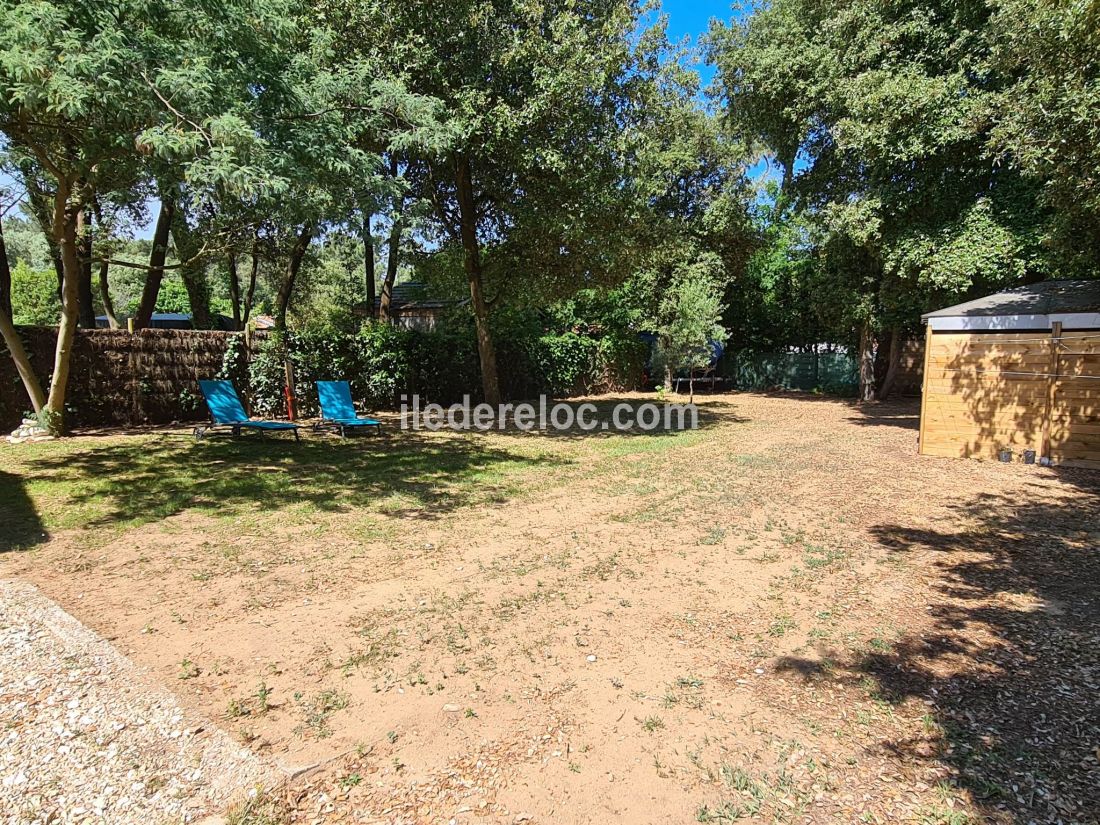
{"x":1009,"y":655}
{"x":141,"y":480}
{"x":608,"y":417}
{"x":20,"y":525}
{"x":903,"y":414}
{"x":421,"y":474}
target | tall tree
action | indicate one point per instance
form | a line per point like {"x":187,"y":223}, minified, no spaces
{"x":393,"y":244}
{"x":84,"y":233}
{"x":879,"y":115}
{"x":1046,"y":119}
{"x":86,"y":88}
{"x":8,"y":334}
{"x":690,"y":325}
{"x":157,"y":257}
{"x":103,"y":247}
{"x":534,"y":98}
{"x":187,"y":241}
{"x":369,"y":275}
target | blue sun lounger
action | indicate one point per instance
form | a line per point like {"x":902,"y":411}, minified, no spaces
{"x":226,"y":410}
{"x":337,"y":409}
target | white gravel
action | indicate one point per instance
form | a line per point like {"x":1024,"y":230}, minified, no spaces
{"x":86,"y":736}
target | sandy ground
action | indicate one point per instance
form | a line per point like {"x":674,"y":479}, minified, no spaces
{"x":788,"y":615}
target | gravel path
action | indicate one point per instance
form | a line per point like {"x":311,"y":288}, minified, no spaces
{"x":85,"y":737}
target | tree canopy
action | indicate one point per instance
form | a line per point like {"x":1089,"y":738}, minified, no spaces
{"x":905,"y":133}
{"x":518,"y":155}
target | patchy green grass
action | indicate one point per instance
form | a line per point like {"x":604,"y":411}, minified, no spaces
{"x":104,"y":486}
{"x":715,"y":563}
{"x":652,"y":723}
{"x":317,"y":709}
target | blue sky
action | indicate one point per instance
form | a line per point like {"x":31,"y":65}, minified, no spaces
{"x":692,"y":18}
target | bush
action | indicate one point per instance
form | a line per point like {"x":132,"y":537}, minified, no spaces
{"x":443,"y":363}
{"x":34,"y":296}
{"x":565,"y":362}
{"x":384,"y":362}
{"x":267,"y":376}
{"x":619,"y":364}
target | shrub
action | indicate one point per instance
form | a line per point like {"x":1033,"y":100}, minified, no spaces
{"x":384,"y":362}
{"x":443,"y":363}
{"x":565,"y":362}
{"x":267,"y":376}
{"x":34,"y":296}
{"x":619,"y":363}
{"x":383,"y":358}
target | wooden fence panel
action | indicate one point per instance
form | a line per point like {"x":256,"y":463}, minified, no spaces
{"x":120,"y":378}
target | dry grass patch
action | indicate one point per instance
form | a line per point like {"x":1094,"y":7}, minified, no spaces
{"x":785,"y":616}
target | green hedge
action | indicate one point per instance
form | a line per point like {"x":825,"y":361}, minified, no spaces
{"x":384,"y":362}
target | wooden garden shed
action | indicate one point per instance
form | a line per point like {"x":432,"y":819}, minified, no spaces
{"x":1019,"y":371}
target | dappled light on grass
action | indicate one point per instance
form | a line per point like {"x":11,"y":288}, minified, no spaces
{"x":125,"y":482}
{"x":104,"y":485}
{"x":786,"y":591}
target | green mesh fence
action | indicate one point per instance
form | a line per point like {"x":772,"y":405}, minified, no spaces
{"x":828,"y":372}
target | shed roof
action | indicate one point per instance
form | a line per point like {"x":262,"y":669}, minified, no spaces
{"x":413,"y":295}
{"x":1075,"y":304}
{"x":411,"y":298}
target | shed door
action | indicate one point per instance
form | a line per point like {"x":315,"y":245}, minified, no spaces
{"x":1075,"y":407}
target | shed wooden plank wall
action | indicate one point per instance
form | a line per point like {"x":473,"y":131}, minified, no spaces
{"x":987,"y":391}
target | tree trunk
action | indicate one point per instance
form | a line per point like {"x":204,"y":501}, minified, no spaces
{"x":368,"y":265}
{"x":105,"y":296}
{"x":192,"y":271}
{"x":393,"y":250}
{"x":104,"y":284}
{"x":22,"y":362}
{"x":85,"y":300}
{"x":65,"y":220}
{"x":250,"y":295}
{"x":5,"y":277}
{"x":156,"y":261}
{"x":896,"y":345}
{"x":666,"y":364}
{"x":235,"y":291}
{"x":293,"y":264}
{"x":490,"y":382}
{"x":866,"y":363}
{"x":43,"y":215}
{"x":11,"y":338}
{"x":198,"y":294}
